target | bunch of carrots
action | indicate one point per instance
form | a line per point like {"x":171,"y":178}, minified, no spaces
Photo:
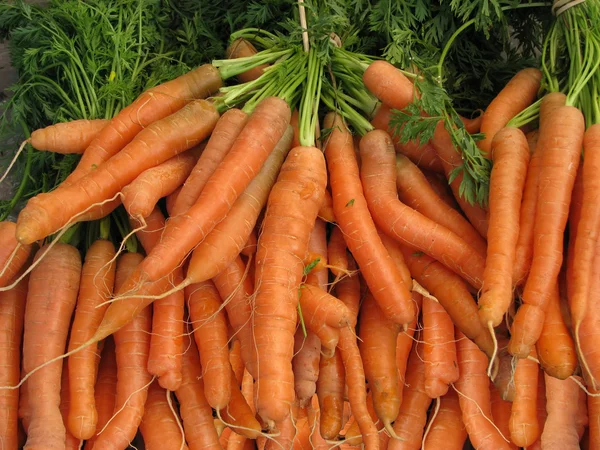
{"x":297,"y":293}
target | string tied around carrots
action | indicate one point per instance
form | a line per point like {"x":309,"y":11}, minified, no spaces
{"x":561,"y":6}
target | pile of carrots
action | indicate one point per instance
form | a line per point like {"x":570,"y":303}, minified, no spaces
{"x":296,"y":297}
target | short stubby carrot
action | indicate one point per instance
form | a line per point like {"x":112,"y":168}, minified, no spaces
{"x":241,"y":48}
{"x":389,"y":84}
{"x":12,"y":315}
{"x":324,"y":308}
{"x":96,"y":287}
{"x":561,"y":147}
{"x":47,"y":213}
{"x":357,"y":226}
{"x":227,"y":129}
{"x":517,"y":95}
{"x":447,"y":429}
{"x":51,"y":299}
{"x":67,"y":137}
{"x":330,"y":392}
{"x":140,"y":196}
{"x":250,"y":150}
{"x":282,"y":246}
{"x":378,"y":174}
{"x":305,"y":364}
{"x":152,"y":105}
{"x":510,"y":153}
{"x":524,"y":426}
{"x":13,"y":255}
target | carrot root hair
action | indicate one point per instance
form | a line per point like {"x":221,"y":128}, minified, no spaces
{"x":438,"y":403}
{"x":492,"y":364}
{"x":14,"y":160}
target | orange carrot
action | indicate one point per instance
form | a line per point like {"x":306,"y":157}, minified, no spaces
{"x":257,"y":140}
{"x":71,"y":442}
{"x":411,"y":420}
{"x":323,"y":308}
{"x":389,"y":84}
{"x":441,"y":187}
{"x":291,"y":214}
{"x":358,"y":228}
{"x":524,"y":426}
{"x":210,"y":332}
{"x":51,"y":298}
{"x":132,"y":345}
{"x":447,"y":430}
{"x":439,"y":349}
{"x":517,"y":95}
{"x":510,"y":153}
{"x":160,"y":427}
{"x":415,"y":191}
{"x":13,"y":255}
{"x":395,"y":251}
{"x":241,"y":48}
{"x":97,"y":282}
{"x":336,"y":253}
{"x":330,"y":392}
{"x":501,"y":414}
{"x":285,"y":436}
{"x":67,"y":137}
{"x":171,"y":199}
{"x":12,"y":314}
{"x":151,"y":106}
{"x":195,"y":411}
{"x":404,"y":345}
{"x":473,"y":125}
{"x":239,"y":415}
{"x":561,"y":149}
{"x":236,"y":362}
{"x":229,"y":237}
{"x":474,"y":396}
{"x":140,"y":196}
{"x":305,"y":364}
{"x":47,"y":213}
{"x":593,"y":406}
{"x":226,"y":131}
{"x":378,"y":174}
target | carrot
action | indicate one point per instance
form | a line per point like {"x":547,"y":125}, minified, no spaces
{"x":228,"y":238}
{"x":510,"y":153}
{"x":524,"y":426}
{"x":239,"y":49}
{"x":411,"y":420}
{"x":13,"y":255}
{"x":323,"y":308}
{"x":67,"y":137}
{"x":12,"y":314}
{"x":249,"y":248}
{"x":561,"y":148}
{"x":285,"y":435}
{"x":567,"y":415}
{"x":501,"y":413}
{"x":447,"y":429}
{"x":377,"y":345}
{"x":440,"y":186}
{"x":224,"y":438}
{"x":336,"y":253}
{"x":140,"y":196}
{"x":97,"y":282}
{"x":47,"y":213}
{"x":378,"y":174}
{"x":105,"y":390}
{"x":574,"y":219}
{"x":524,"y":249}
{"x":305,"y":364}
{"x":235,"y":360}
{"x":474,"y":396}
{"x":51,"y":298}
{"x":239,"y":415}
{"x":210,"y":333}
{"x":330,"y":393}
{"x":593,"y":406}
{"x":451,"y":159}
{"x":282,"y":246}
{"x":151,"y":106}
{"x":439,"y":349}
{"x":257,"y":140}
{"x":395,"y":251}
{"x":71,"y":442}
{"x":226,"y":131}
{"x":473,"y":125}
{"x":171,"y":199}
{"x":160,"y":425}
{"x":415,"y":191}
{"x":357,"y":226}
{"x":240,"y":441}
{"x":404,"y":345}
{"x":517,"y":95}
{"x":389,"y":84}
{"x":555,"y":348}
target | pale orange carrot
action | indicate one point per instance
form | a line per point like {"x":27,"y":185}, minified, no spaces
{"x":447,"y":430}
{"x":501,"y":414}
{"x":524,"y":426}
{"x":67,"y":137}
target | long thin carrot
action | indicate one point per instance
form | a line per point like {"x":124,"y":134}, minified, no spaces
{"x":378,"y":174}
{"x":593,"y":406}
{"x":560,"y":160}
{"x":415,"y":191}
{"x":12,"y":315}
{"x":358,"y":228}
{"x":524,"y":426}
{"x":13,"y":255}
{"x":132,"y":345}
{"x":447,"y":429}
{"x":510,"y":153}
{"x":439,"y":349}
{"x":404,"y":345}
{"x":227,"y":129}
{"x":152,"y":105}
{"x":71,"y":442}
{"x":51,"y":298}
{"x":195,"y":411}
{"x":518,"y":94}
{"x":140,"y":196}
{"x":67,"y":137}
{"x":97,"y":282}
{"x":250,"y":150}
{"x":228,"y":237}
{"x":46,"y":213}
{"x":159,"y":426}
{"x":291,"y":214}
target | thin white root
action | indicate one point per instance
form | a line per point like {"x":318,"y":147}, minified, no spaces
{"x":494,"y":354}
{"x":14,"y":160}
{"x":438,"y":403}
